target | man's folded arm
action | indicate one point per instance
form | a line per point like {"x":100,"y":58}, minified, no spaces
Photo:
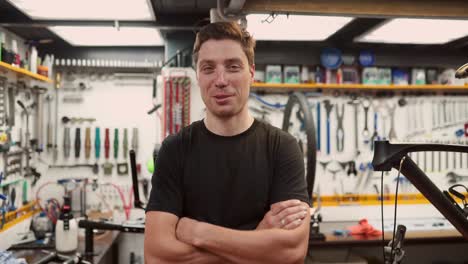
{"x":258,"y":246}
{"x":162,"y":246}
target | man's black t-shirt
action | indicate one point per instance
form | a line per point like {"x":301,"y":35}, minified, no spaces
{"x":227,"y":181}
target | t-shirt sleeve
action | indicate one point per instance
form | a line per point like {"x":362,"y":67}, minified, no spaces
{"x":166,"y":191}
{"x":289,"y":178}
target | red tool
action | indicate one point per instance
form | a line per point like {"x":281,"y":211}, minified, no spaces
{"x":364,"y":229}
{"x":177,"y":105}
{"x":106,"y":144}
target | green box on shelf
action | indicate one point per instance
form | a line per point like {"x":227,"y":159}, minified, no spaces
{"x":291,"y":74}
{"x":274,"y":74}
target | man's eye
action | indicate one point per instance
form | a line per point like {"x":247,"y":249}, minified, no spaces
{"x":207,"y":69}
{"x":234,"y":67}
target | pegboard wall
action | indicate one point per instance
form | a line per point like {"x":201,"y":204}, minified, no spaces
{"x":416,"y":119}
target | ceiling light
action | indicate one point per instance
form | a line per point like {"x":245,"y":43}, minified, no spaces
{"x":86,"y":9}
{"x":294,"y":27}
{"x":109,"y":36}
{"x":417,"y":31}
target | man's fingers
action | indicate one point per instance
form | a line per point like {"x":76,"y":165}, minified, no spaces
{"x":291,"y":211}
{"x":293,"y":224}
{"x":278,"y":207}
{"x":293,"y":217}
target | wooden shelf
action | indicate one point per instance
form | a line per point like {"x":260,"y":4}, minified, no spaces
{"x":24,"y":72}
{"x":301,"y":86}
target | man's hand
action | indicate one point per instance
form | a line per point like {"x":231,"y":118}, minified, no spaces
{"x":185,"y":230}
{"x":286,"y":215}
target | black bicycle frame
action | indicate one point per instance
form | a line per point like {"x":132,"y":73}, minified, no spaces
{"x":388,"y":156}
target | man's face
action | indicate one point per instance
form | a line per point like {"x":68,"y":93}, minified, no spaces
{"x":224,"y":76}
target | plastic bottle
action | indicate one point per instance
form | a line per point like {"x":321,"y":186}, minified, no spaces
{"x":318,"y":75}
{"x":14,"y":49}
{"x":66,"y":230}
{"x":305,"y":74}
{"x":33,"y":60}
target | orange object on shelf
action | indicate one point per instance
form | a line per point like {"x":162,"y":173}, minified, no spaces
{"x":43,"y":70}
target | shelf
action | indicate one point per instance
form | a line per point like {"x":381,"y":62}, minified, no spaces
{"x":24,"y":72}
{"x":301,"y":86}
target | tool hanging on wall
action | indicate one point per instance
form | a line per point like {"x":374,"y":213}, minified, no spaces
{"x":355,"y":103}
{"x":328,"y":108}
{"x":58,"y":79}
{"x":66,"y":142}
{"x":125,"y":143}
{"x":39,"y":120}
{"x":88,"y":143}
{"x":11,"y":105}
{"x":72,"y":120}
{"x":122,"y":169}
{"x":375,"y":135}
{"x":176,"y":94}
{"x":339,"y":129}
{"x":365,"y":133}
{"x":116,"y":143}
{"x":97,"y":143}
{"x":135,"y":140}
{"x":27,"y":135}
{"x":12,"y":163}
{"x":3,"y":95}
{"x":77,"y":142}
{"x":391,"y":111}
{"x":107,"y":166}
{"x":106,"y":144}
{"x":49,"y":145}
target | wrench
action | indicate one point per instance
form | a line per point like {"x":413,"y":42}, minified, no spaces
{"x":391,"y":111}
{"x":355,"y":103}
{"x":339,"y":129}
{"x":454,"y":178}
{"x":375,"y":135}
{"x":365,"y":133}
{"x":328,"y":109}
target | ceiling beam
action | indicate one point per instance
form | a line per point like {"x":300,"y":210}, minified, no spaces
{"x":458,"y":43}
{"x":364,"y":8}
{"x":51,"y":23}
{"x":354,"y":29}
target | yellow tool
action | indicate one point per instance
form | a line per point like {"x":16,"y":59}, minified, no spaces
{"x":88,"y":143}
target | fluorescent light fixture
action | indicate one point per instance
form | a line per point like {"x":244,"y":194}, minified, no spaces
{"x":140,"y":10}
{"x":294,"y":27}
{"x":417,"y":31}
{"x":109,"y":36}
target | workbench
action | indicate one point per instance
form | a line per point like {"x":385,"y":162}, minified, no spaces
{"x":421,"y":246}
{"x":105,"y":249}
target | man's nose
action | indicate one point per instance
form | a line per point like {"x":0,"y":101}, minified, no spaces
{"x":221,"y":81}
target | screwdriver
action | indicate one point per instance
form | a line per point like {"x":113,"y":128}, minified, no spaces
{"x":12,"y":206}
{"x":77,"y":142}
{"x":125,"y":143}
{"x":135,"y":140}
{"x":106,"y":144}
{"x":116,"y":143}
{"x":88,"y":143}
{"x":97,"y":143}
{"x":66,"y":142}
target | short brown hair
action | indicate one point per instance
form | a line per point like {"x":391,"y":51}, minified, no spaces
{"x":225,"y":30}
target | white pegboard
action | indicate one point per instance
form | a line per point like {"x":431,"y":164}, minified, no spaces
{"x":414,"y":117}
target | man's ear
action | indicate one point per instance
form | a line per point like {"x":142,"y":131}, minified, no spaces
{"x":252,"y":73}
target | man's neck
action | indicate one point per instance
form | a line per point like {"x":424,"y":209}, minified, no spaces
{"x":228,"y":126}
